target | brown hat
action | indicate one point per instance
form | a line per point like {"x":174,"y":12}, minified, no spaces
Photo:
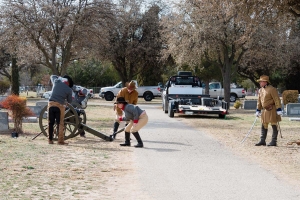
{"x":263,"y":78}
{"x":131,"y":85}
{"x":120,"y":100}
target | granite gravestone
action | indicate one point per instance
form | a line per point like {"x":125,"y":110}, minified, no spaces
{"x":3,"y":121}
{"x":293,"y":109}
{"x":250,"y":104}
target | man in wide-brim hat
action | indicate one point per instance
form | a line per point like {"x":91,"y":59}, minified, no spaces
{"x":131,"y":96}
{"x":264,"y":78}
{"x":269,"y":108}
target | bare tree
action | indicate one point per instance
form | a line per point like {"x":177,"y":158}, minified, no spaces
{"x":54,"y":33}
{"x":215,"y":30}
{"x":224,"y":32}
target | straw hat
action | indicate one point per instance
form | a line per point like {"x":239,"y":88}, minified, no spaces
{"x":131,"y":85}
{"x":264,"y":78}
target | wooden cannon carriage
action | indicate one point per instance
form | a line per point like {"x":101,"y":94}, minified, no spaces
{"x":74,"y":121}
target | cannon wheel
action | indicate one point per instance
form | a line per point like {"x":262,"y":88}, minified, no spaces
{"x":82,"y":117}
{"x":71,"y":123}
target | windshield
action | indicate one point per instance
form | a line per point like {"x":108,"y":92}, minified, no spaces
{"x":118,"y":85}
{"x":185,"y":80}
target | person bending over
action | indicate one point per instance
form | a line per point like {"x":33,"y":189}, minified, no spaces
{"x":61,"y":92}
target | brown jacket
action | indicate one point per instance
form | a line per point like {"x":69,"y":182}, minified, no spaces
{"x":269,"y":101}
{"x":131,"y":98}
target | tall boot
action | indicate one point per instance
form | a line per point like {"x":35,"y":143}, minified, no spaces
{"x":263,"y":136}
{"x":61,"y":136}
{"x":139,"y":140}
{"x":127,"y":139}
{"x":274,"y":136}
{"x":116,"y":126}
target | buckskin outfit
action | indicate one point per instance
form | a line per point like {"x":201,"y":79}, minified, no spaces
{"x":131,"y":96}
{"x":269,"y":103}
{"x":61,"y":91}
{"x":137,"y":118}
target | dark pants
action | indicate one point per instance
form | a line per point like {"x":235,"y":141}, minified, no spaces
{"x":54,"y":117}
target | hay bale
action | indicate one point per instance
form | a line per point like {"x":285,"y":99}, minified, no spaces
{"x":290,"y":96}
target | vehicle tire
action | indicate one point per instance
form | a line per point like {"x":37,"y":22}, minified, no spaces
{"x":148,"y":96}
{"x":109,"y":96}
{"x":221,"y":116}
{"x":170,"y":110}
{"x":165,"y":107}
{"x":233,"y":97}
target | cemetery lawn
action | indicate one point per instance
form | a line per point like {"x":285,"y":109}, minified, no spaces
{"x":90,"y":168}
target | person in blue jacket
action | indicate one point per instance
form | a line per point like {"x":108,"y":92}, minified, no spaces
{"x":61,"y":93}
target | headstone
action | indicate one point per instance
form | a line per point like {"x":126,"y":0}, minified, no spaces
{"x":30,"y":120}
{"x":294,"y":119}
{"x":36,"y":110}
{"x":26,"y":120}
{"x":293,"y":109}
{"x":41,"y":103}
{"x":2,"y":98}
{"x":250,"y":104}
{"x":3,"y":121}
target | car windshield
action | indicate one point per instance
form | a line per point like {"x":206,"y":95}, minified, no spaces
{"x":185,"y":80}
{"x":118,"y":85}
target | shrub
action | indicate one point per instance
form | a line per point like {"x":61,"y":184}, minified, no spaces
{"x":237,"y":104}
{"x":17,"y":110}
{"x":290,"y":96}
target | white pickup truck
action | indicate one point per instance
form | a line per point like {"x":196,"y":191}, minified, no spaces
{"x":184,"y":95}
{"x":216,"y":90}
{"x":147,"y":92}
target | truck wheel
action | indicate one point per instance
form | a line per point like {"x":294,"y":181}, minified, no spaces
{"x":148,"y":96}
{"x":222,"y":116}
{"x":109,"y":96}
{"x":233,"y":97}
{"x":170,"y":110}
{"x":165,"y":107}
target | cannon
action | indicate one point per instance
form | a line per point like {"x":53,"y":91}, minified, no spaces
{"x":74,"y":120}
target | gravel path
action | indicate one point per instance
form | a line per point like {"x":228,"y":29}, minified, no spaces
{"x":179,"y":162}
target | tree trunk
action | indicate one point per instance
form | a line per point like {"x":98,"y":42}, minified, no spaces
{"x":14,"y":77}
{"x":206,"y":86}
{"x":226,"y":81}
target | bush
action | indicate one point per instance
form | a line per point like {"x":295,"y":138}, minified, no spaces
{"x":17,"y":110}
{"x":237,"y":104}
{"x":4,"y":86}
{"x":290,"y":96}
